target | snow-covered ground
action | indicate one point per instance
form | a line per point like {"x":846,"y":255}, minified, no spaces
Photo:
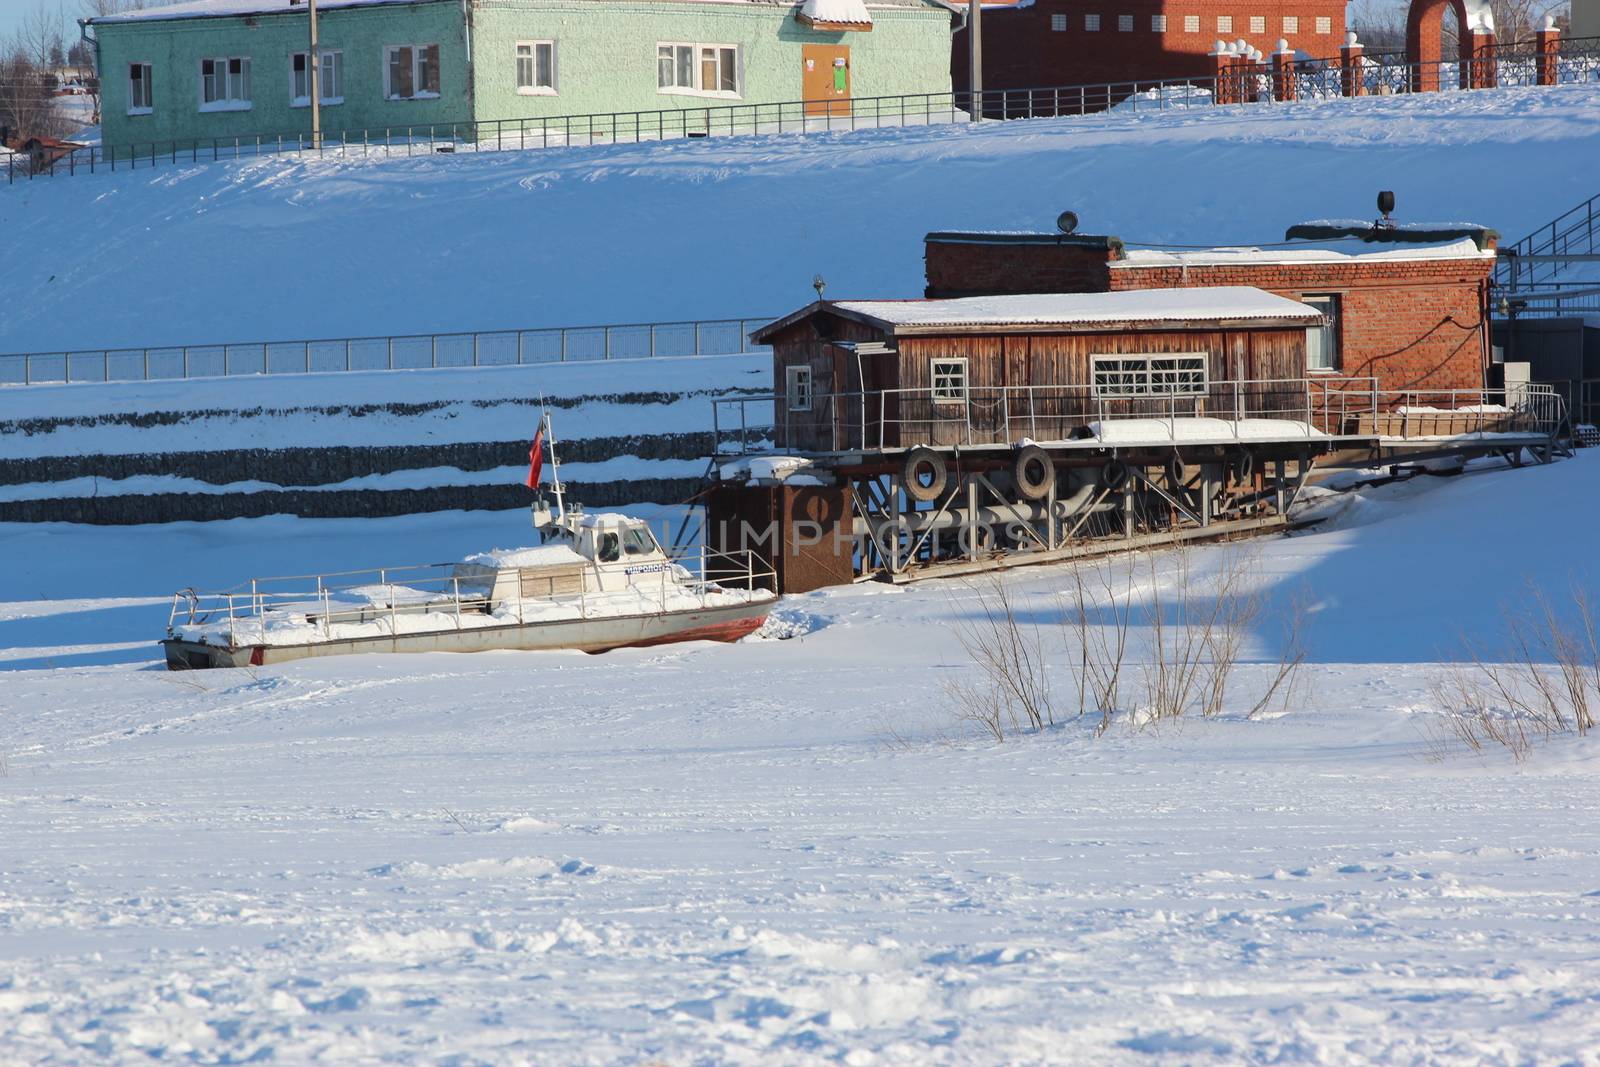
{"x":787,"y":851}
{"x":217,"y":252}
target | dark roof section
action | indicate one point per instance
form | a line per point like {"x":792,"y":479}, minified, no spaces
{"x":1403,"y":233}
{"x":1096,"y":242}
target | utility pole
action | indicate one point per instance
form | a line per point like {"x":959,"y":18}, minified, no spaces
{"x":314,"y":67}
{"x":975,"y":55}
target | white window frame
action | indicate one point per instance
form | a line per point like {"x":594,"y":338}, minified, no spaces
{"x":947,"y":379}
{"x":149,"y":107}
{"x":1324,"y":24}
{"x":1058,"y":23}
{"x":1191,"y":24}
{"x":798,"y":391}
{"x":1330,"y":330}
{"x":1224,"y":23}
{"x":1258,"y":24}
{"x":419,"y":53}
{"x":533,"y":88}
{"x":232,"y":83}
{"x":1149,"y":375}
{"x":1291,"y":24}
{"x":1158,"y":24}
{"x":1091,"y":23}
{"x":332,"y":61}
{"x":696,"y":88}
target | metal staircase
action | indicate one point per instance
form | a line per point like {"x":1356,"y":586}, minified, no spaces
{"x":1529,"y":273}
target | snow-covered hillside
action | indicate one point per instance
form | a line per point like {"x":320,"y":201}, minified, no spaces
{"x":281,"y":249}
{"x":790,"y":852}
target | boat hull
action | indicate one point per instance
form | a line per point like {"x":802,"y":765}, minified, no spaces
{"x":724,"y":623}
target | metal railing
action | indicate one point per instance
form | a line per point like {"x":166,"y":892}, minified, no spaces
{"x":1543,"y":253}
{"x":1535,"y":300}
{"x":435,"y":597}
{"x":1381,"y":74}
{"x":481,"y":348}
{"x":1226,"y":411}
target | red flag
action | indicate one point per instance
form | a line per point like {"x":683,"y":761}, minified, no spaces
{"x":536,"y":458}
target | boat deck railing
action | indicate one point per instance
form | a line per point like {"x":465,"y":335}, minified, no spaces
{"x":384,"y":594}
{"x":1119,"y":415}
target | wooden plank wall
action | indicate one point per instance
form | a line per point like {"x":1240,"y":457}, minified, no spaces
{"x":833,"y":370}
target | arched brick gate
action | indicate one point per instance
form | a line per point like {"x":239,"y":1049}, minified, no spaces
{"x":1424,"y":49}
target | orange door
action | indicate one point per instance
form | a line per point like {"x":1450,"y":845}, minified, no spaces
{"x":825,"y":78}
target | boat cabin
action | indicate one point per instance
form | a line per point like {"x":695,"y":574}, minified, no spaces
{"x":994,"y":370}
{"x":598,"y":553}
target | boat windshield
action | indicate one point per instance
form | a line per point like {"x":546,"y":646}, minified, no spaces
{"x":607,"y":546}
{"x":638,"y":542}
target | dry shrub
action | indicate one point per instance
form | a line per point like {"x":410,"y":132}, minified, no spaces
{"x":1545,"y":682}
{"x":1193,"y":627}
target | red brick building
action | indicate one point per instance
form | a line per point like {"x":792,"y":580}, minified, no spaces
{"x":1411,"y":315}
{"x":1074,"y":42}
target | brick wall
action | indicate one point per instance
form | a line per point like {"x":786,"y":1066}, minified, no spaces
{"x":1025,"y":48}
{"x":1042,"y":264}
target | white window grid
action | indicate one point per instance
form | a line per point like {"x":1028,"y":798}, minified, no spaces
{"x":1258,"y":24}
{"x":1124,"y":23}
{"x":1224,"y":23}
{"x":1322,"y":339}
{"x":1158,"y":24}
{"x":1144,"y":376}
{"x":797,"y":388}
{"x":1058,"y":23}
{"x":949,"y":378}
{"x":1324,"y":24}
{"x":1091,"y":23}
{"x":411,"y":72}
{"x":330,"y":77}
{"x":536,"y":68}
{"x":685,"y":66}
{"x":1291,"y":24}
{"x":1191,"y":24}
{"x":141,"y":89}
{"x":225,"y":83}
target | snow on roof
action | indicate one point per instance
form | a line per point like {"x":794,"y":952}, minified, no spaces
{"x":199,"y":9}
{"x":1204,"y":303}
{"x":836,"y":12}
{"x":1465,"y":248}
{"x":604,"y":519}
{"x":534,"y":556}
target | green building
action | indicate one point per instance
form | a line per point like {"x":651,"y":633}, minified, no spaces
{"x":201,"y":71}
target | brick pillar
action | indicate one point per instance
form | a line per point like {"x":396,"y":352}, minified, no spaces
{"x":1351,"y":83}
{"x":1283,"y":86}
{"x":1482,"y":73}
{"x":1222,"y":74}
{"x":1549,"y":46}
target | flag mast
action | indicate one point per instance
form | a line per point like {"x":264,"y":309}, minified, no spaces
{"x":555,"y":469}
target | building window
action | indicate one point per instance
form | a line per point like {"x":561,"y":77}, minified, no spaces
{"x":1135,"y":377}
{"x":1291,"y":24}
{"x":536,"y":68}
{"x":225,"y":84}
{"x":1258,"y":24}
{"x":330,"y":75}
{"x":702,"y":69}
{"x":949,"y":377}
{"x":1191,"y":24}
{"x":1224,"y":23}
{"x":1124,"y":23}
{"x":1091,"y":23}
{"x":1324,"y":24}
{"x":1058,"y":23}
{"x":1323,"y":340}
{"x":141,"y":95}
{"x":411,"y":72}
{"x":1158,"y":24}
{"x":797,"y":388}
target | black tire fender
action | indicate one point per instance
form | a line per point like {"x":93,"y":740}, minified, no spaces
{"x":925,"y":474}
{"x":1033,"y":472}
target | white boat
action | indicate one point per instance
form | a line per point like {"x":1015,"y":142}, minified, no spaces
{"x":597,"y":582}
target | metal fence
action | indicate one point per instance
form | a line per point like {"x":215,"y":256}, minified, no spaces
{"x":485,"y":348}
{"x":1542,"y":300}
{"x":1259,"y":83}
